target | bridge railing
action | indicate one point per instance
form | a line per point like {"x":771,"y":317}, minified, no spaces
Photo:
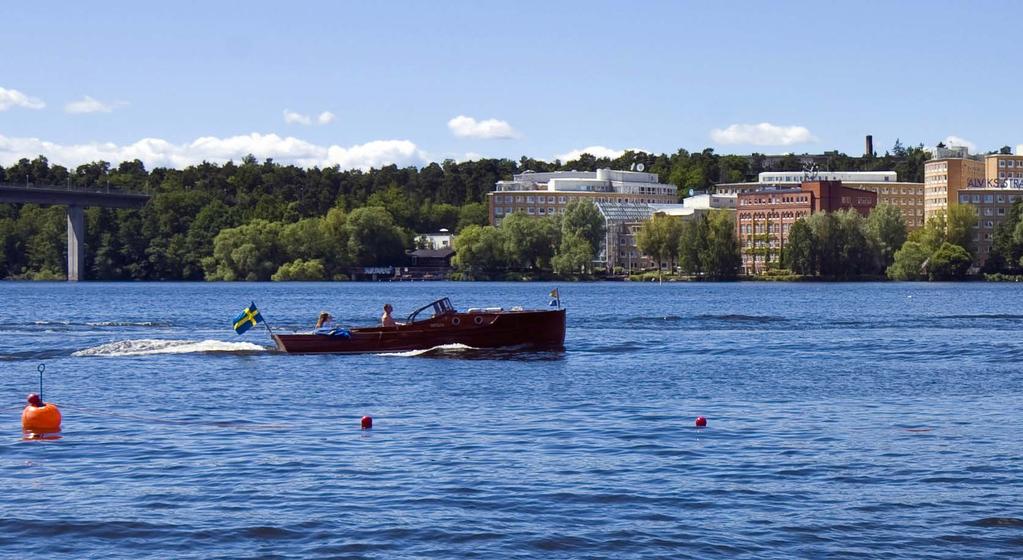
{"x":97,"y":189}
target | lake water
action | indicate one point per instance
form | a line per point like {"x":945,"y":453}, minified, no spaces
{"x":845,"y":420}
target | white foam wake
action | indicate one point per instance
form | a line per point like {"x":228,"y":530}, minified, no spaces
{"x":411,"y":353}
{"x":145,"y":347}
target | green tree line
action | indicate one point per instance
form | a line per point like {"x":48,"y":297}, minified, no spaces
{"x":705,"y":246}
{"x":560,"y":244}
{"x":172,"y":238}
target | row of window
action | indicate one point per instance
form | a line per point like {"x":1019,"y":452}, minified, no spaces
{"x":1009,"y":163}
{"x":1010,"y":174}
{"x":988,"y":198}
{"x":532,"y":211}
{"x":773,"y":200}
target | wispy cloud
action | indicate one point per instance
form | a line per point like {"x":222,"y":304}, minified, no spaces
{"x":762,"y":134}
{"x":156,"y":152}
{"x":90,"y":105}
{"x":596,"y":151}
{"x":468,"y":127}
{"x":953,"y":140}
{"x":325,"y":117}
{"x":293,"y":117}
{"x":14,"y":98}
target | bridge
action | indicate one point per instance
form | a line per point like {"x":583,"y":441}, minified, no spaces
{"x":76,"y":199}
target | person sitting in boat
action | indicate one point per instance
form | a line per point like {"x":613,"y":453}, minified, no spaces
{"x":324,"y":320}
{"x":386,"y":320}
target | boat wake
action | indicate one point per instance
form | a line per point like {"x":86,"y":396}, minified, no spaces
{"x":456,"y":347}
{"x":146,"y":347}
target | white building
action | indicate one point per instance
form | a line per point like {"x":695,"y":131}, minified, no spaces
{"x":543,"y":194}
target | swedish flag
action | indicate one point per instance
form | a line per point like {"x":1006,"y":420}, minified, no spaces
{"x":247,"y":319}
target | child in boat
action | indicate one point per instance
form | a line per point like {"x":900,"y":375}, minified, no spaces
{"x":324,"y":320}
{"x":386,"y":320}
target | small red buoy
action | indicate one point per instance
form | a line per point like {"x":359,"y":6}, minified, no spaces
{"x":39,"y":417}
{"x":701,"y":422}
{"x":367,"y":422}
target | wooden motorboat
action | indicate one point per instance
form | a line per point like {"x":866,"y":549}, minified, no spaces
{"x":438,"y":324}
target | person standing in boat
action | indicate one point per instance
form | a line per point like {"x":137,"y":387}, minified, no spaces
{"x":386,"y":320}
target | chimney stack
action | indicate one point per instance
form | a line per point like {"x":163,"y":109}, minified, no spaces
{"x":870,"y":147}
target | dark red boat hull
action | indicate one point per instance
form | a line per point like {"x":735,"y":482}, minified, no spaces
{"x":534,"y":329}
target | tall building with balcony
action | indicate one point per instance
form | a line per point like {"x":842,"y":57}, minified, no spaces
{"x":951,"y":171}
{"x":763,"y":218}
{"x":545,"y":194}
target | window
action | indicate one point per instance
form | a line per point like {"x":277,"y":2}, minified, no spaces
{"x":550,"y":210}
{"x":561,"y":199}
{"x":519,"y":198}
{"x":531,"y":211}
{"x":530,"y":199}
{"x":989,"y":198}
{"x":1010,"y":163}
{"x":989,"y":224}
{"x":987,"y":212}
{"x":1001,"y":163}
{"x":976,"y":198}
{"x":498,"y":211}
{"x":507,"y":210}
{"x":1001,"y":174}
{"x":964,"y":198}
{"x":1001,"y":211}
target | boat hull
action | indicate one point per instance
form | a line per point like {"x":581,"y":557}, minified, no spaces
{"x":543,"y":330}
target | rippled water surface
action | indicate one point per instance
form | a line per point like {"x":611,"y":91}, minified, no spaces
{"x":845,"y":420}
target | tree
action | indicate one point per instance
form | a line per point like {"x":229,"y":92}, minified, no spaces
{"x":250,"y":252}
{"x":479,"y":250}
{"x":531,"y":242}
{"x":575,"y":255}
{"x":801,"y":251}
{"x":692,"y":244}
{"x":583,"y":220}
{"x":961,"y":220}
{"x":373,"y":237}
{"x":658,"y":237}
{"x":887,"y":232}
{"x":721,"y":258}
{"x":908,"y":263}
{"x":949,"y":262}
{"x":472,"y":213}
{"x":300,"y":270}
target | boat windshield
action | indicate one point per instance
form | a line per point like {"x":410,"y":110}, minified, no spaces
{"x":435,"y":309}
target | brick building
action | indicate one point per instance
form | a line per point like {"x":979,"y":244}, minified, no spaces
{"x":763,"y":218}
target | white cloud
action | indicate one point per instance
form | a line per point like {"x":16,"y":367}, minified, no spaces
{"x":953,"y":140}
{"x":596,"y":151}
{"x":156,"y":152}
{"x":763,"y":134}
{"x":89,"y":105}
{"x":14,"y":98}
{"x":291,"y":117}
{"x":325,"y":117}
{"x":468,"y":127}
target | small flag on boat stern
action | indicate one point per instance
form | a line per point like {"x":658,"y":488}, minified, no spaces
{"x":556,"y":298}
{"x":247,"y":319}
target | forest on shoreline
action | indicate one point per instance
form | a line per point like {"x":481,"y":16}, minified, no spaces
{"x":247,"y":220}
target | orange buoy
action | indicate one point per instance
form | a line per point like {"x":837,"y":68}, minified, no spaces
{"x":39,"y":417}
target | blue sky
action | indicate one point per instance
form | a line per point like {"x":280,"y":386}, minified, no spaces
{"x":368,"y":83}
